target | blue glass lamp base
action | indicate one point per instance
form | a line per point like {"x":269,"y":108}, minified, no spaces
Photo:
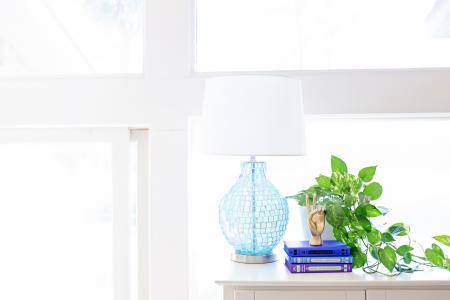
{"x":253,"y":215}
{"x":253,"y":259}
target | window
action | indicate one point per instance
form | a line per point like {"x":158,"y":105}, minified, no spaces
{"x":71,"y":37}
{"x":253,"y":35}
{"x":412,"y":155}
{"x":68,"y":214}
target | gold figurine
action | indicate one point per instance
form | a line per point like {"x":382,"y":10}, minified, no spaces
{"x":316,"y":221}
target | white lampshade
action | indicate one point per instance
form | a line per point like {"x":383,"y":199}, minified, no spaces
{"x":253,"y":115}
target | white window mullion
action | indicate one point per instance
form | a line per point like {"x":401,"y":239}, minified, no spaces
{"x":141,"y":138}
{"x":121,"y":212}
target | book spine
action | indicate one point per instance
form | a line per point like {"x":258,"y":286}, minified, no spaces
{"x":300,"y":252}
{"x":321,"y":260}
{"x":319,"y":268}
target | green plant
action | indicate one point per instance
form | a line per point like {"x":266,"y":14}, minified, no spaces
{"x":348,"y":200}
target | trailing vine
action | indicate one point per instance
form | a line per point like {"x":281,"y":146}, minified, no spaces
{"x":348,"y":200}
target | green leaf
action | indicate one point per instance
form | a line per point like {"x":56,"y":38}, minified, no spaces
{"x":324,"y":182}
{"x":404,"y":249}
{"x":375,"y":237}
{"x":355,"y":185}
{"x":402,"y":268}
{"x":387,"y":237}
{"x":367,"y":173}
{"x":338,"y":165}
{"x":444,"y":239}
{"x":438,"y":250}
{"x":356,"y":227}
{"x":372,"y":211}
{"x":434,"y":257}
{"x":361,"y":210}
{"x":348,"y":215}
{"x":300,"y":197}
{"x":340,"y":234}
{"x":357,"y":232}
{"x":352,"y":239}
{"x":388,"y":257}
{"x":364,"y":222}
{"x":313,"y":189}
{"x":373,"y":190}
{"x":359,"y":257}
{"x":374,"y":252}
{"x":407,"y":258}
{"x":367,"y":210}
{"x":361,"y":196}
{"x":349,"y":200}
{"x":335,"y":214}
{"x":399,"y":229}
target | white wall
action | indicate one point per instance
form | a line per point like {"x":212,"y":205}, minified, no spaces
{"x":373,"y":91}
{"x":168,"y":93}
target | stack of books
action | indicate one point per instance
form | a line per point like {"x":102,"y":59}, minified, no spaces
{"x":331,"y":257}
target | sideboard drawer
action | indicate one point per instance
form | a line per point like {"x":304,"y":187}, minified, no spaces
{"x":310,"y":295}
{"x":422,"y":294}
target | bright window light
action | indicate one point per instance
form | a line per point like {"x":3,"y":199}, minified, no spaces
{"x":61,"y":200}
{"x":70,"y":37}
{"x":252,"y":35}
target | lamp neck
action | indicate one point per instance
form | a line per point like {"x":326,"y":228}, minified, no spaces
{"x":255,"y":169}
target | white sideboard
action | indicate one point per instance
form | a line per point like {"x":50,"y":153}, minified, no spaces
{"x":274,"y":282}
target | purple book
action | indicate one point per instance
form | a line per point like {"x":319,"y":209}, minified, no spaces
{"x":318,"y":268}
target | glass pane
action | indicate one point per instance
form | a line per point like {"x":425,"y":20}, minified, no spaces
{"x":70,"y":37}
{"x":251,"y":35}
{"x":56,"y":221}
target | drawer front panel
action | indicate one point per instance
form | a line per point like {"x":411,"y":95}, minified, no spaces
{"x":309,"y":295}
{"x":408,"y":294}
{"x":418,"y":295}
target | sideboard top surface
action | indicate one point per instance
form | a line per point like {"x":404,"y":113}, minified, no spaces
{"x":276,"y":274}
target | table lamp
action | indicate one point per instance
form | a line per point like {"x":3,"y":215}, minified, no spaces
{"x":253,"y":115}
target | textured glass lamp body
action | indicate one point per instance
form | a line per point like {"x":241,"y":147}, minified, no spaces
{"x":253,"y":214}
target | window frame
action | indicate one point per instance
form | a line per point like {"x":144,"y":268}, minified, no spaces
{"x":359,"y":91}
{"x":146,"y":101}
{"x":120,"y":139}
{"x":131,"y":75}
{"x":298,"y":73}
{"x":168,"y":82}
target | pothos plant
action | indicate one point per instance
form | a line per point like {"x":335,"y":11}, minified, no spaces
{"x":349,"y":203}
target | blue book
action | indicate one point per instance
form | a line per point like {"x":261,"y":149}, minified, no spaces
{"x":320,"y":259}
{"x":328,"y":248}
{"x":318,"y":268}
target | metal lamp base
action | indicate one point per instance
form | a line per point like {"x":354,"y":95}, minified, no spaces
{"x":252,"y":259}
